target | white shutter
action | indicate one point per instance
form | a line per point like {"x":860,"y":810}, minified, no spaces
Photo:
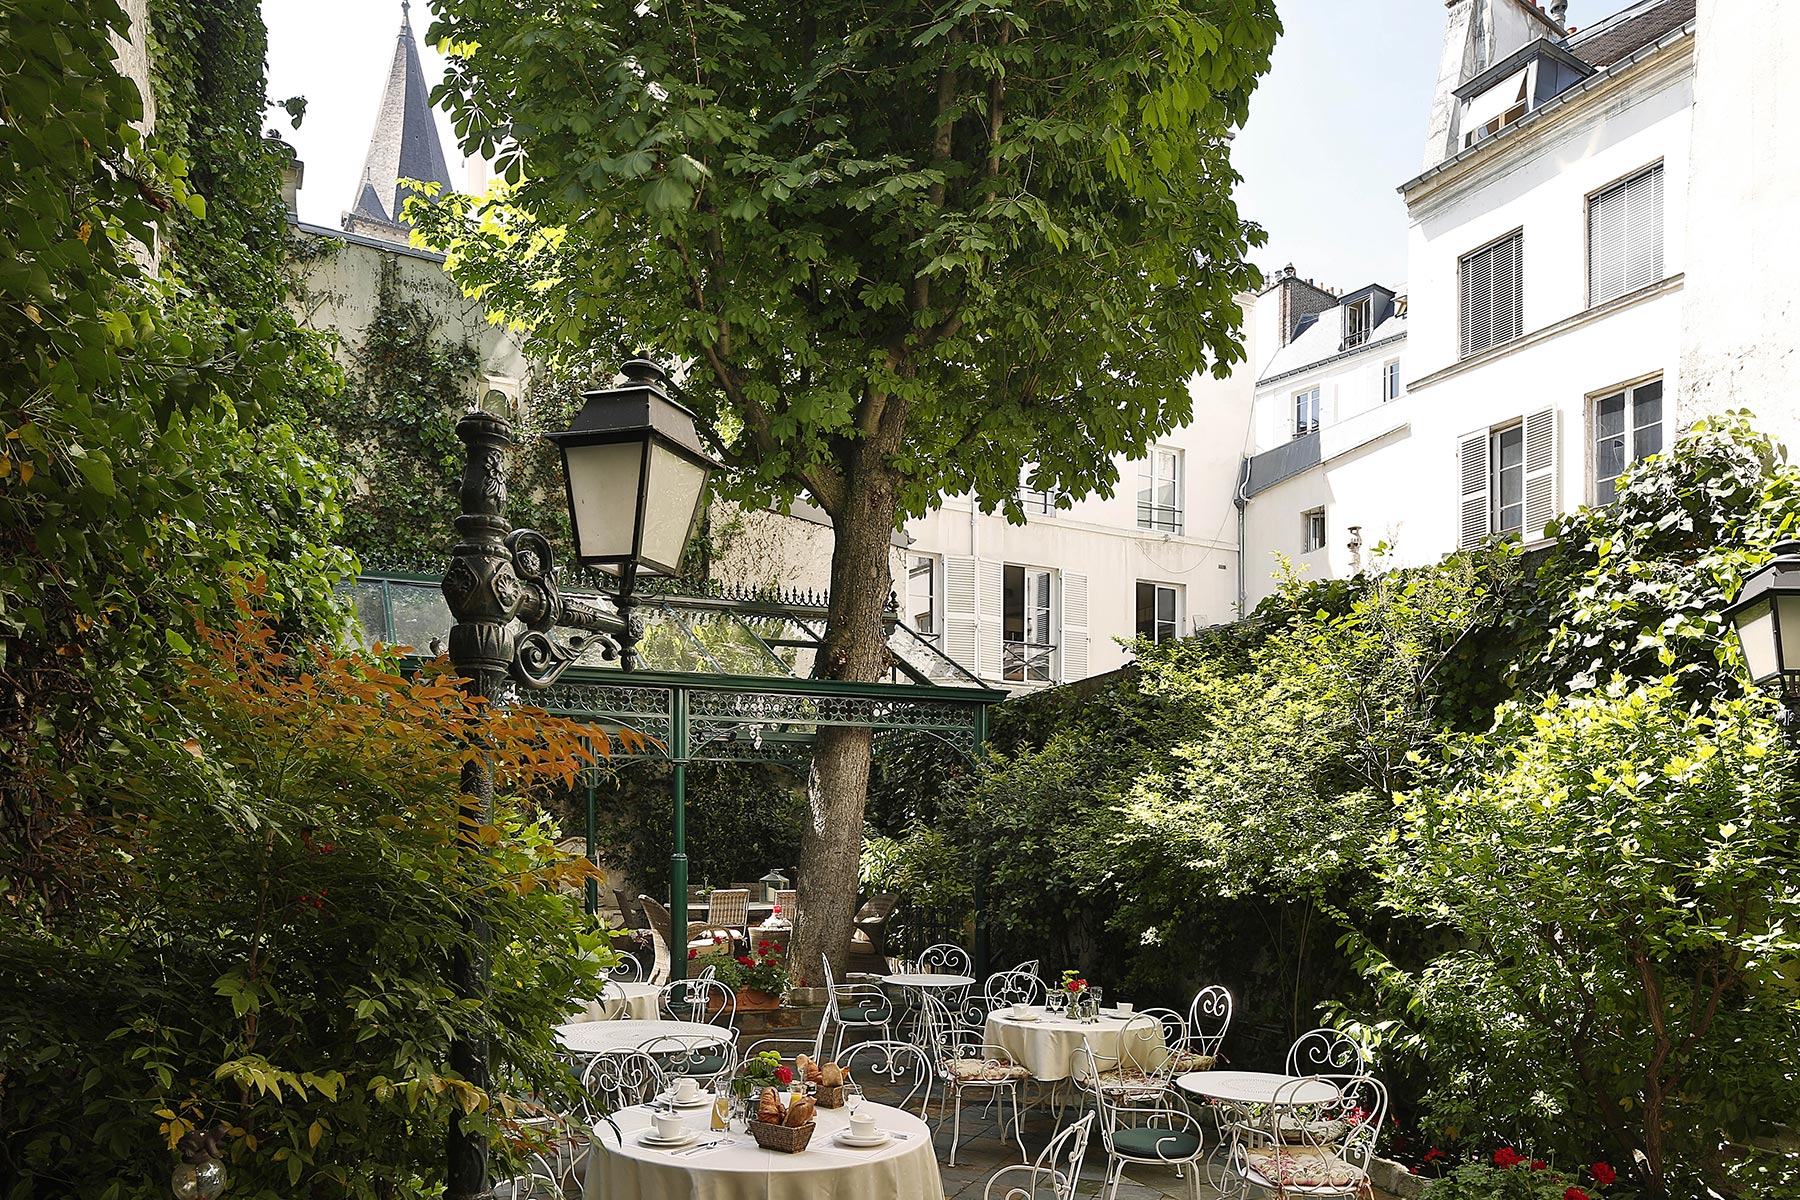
{"x":1541,"y":477}
{"x":1492,"y":287}
{"x":1476,"y":511}
{"x":960,"y":623}
{"x":1074,"y":646}
{"x":1625,"y":236}
{"x":992,"y":609}
{"x":1485,"y":107}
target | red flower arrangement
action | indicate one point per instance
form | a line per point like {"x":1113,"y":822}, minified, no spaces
{"x":1603,"y":1174}
{"x":1575,"y":1193}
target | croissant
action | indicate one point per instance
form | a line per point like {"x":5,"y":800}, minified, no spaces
{"x":799,"y":1112}
{"x":806,"y":1068}
{"x":831,"y":1075}
{"x":768,"y":1107}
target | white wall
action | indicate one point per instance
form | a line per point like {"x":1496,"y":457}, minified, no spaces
{"x":1741,"y":335}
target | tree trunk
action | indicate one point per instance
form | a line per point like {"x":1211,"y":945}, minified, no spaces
{"x":855,"y":648}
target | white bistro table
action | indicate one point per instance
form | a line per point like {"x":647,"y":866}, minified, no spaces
{"x":927,"y":979}
{"x":591,"y":1037}
{"x":731,"y":1166}
{"x":637,"y":999}
{"x":1253,"y":1087}
{"x":1045,"y":1044}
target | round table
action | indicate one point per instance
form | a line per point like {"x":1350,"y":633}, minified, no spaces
{"x":1253,"y":1087}
{"x":736,"y":1168}
{"x":926,"y":979}
{"x":591,"y":1037}
{"x":1046,"y":1044}
{"x":639,"y":1001}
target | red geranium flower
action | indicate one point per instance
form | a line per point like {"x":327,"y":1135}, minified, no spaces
{"x":744,"y":959}
{"x":693,"y":954}
{"x":1538,"y":1164}
{"x":1603,"y":1174}
{"x":1432,"y":1155}
{"x":1575,"y":1193}
{"x":1506,"y":1156}
{"x":786,"y":1075}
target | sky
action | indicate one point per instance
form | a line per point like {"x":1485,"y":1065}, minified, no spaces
{"x":1335,"y":127}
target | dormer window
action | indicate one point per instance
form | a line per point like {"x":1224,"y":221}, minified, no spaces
{"x":1359,"y":319}
{"x":1495,"y":109}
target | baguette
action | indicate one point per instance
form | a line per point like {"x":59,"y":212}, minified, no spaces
{"x":799,"y":1112}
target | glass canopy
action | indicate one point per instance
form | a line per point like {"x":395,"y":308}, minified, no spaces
{"x":726,"y":676}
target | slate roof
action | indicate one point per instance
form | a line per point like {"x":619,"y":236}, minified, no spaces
{"x":405,"y":142}
{"x":1319,"y":342}
{"x":1629,"y":29}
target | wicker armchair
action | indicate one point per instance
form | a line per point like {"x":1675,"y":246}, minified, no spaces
{"x":703,"y":940}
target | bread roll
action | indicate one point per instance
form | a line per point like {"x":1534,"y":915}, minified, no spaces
{"x":768,"y":1107}
{"x":806,"y":1068}
{"x":831,"y":1075}
{"x":799,"y":1112}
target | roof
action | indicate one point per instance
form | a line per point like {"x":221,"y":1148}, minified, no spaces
{"x":404,"y":143}
{"x":1322,"y":341}
{"x":1630,"y":29}
{"x":1543,"y":47}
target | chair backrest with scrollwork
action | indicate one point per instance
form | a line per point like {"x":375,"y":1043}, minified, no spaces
{"x":618,"y":1078}
{"x":946,"y":958}
{"x":704,"y":1001}
{"x":627,"y":970}
{"x":900,"y":1067}
{"x":1012,"y":987}
{"x":1326,"y":1051}
{"x":1209,"y":1016}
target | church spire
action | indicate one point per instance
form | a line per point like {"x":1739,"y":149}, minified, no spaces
{"x":404,"y":144}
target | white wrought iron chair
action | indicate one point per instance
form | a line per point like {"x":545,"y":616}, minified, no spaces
{"x":679,"y":1055}
{"x":615,"y":1079}
{"x":946,"y":958}
{"x":1057,"y":1170}
{"x":1301,"y":1145}
{"x":1209,"y":1016}
{"x":1141,"y":1071}
{"x":965,"y":1064}
{"x":855,"y":1006}
{"x":627,"y":970}
{"x":901,"y":1067}
{"x":1327,"y":1051}
{"x":1152,"y":1133}
{"x":615,"y":1005}
{"x":1012,"y":987}
{"x":704,"y":1001}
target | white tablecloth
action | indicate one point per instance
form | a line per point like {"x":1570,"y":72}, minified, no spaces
{"x":1046,"y":1046}
{"x":904,"y":1169}
{"x":1252,"y":1087}
{"x":639,"y":1002}
{"x":591,"y":1037}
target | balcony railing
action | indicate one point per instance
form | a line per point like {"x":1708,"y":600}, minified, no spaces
{"x":1038,"y":503}
{"x":1027,"y":662}
{"x":1165,"y":518}
{"x":1353,"y":339}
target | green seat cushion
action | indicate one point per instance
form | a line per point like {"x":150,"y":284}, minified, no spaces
{"x":868,"y":1014}
{"x":1156,"y":1143}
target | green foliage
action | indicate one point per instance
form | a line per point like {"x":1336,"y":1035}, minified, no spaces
{"x":267,"y":907}
{"x":1619,"y":870}
{"x":1520,"y":1179}
{"x":742,"y":820}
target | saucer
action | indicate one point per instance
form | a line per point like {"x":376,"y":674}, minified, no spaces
{"x":846,"y":1138}
{"x":1026,"y":1017}
{"x":700,"y":1100}
{"x":651,"y":1138}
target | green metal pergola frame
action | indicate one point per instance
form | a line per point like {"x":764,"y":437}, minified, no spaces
{"x":721,"y":716}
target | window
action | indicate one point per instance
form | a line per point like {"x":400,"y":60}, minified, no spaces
{"x":1312,"y":530}
{"x":922,"y":596}
{"x":1627,"y":428}
{"x":1496,"y":108}
{"x":1625,"y":236}
{"x":1506,"y":479}
{"x":1025,"y":625}
{"x":1390,"y":380}
{"x":1491,"y":287}
{"x":1306,"y":412}
{"x":1359,"y":318}
{"x":1159,"y":491}
{"x":1156,"y":618}
{"x":1036,"y":501}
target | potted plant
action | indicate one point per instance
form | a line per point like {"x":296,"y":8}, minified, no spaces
{"x":758,"y":979}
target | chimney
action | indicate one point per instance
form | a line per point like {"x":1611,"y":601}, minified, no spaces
{"x":1559,"y":12}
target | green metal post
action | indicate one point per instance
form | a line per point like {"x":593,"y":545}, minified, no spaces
{"x":678,"y":865}
{"x":593,"y":885}
{"x":981,"y":926}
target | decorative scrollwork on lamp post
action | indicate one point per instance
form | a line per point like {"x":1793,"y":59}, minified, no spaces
{"x":630,"y":448}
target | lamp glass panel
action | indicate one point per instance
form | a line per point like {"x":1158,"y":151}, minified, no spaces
{"x":603,"y":496}
{"x":677,"y":485}
{"x":1790,"y":631}
{"x":1756,"y":633}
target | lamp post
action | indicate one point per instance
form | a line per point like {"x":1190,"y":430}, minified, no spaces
{"x":502,"y":590}
{"x":1767,"y":615}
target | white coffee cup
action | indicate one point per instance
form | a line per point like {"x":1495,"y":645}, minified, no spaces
{"x":687,"y":1088}
{"x":862,"y":1125}
{"x":1021,"y":1011}
{"x":1123,"y":1008}
{"x":668,"y":1125}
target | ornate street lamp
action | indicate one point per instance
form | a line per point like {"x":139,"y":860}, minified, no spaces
{"x":1767,"y":615}
{"x":502,"y":589}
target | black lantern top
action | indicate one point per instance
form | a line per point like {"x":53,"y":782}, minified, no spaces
{"x":636,"y":472}
{"x":1767,"y":615}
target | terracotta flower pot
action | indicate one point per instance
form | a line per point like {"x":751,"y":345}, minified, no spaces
{"x":752,"y":1000}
